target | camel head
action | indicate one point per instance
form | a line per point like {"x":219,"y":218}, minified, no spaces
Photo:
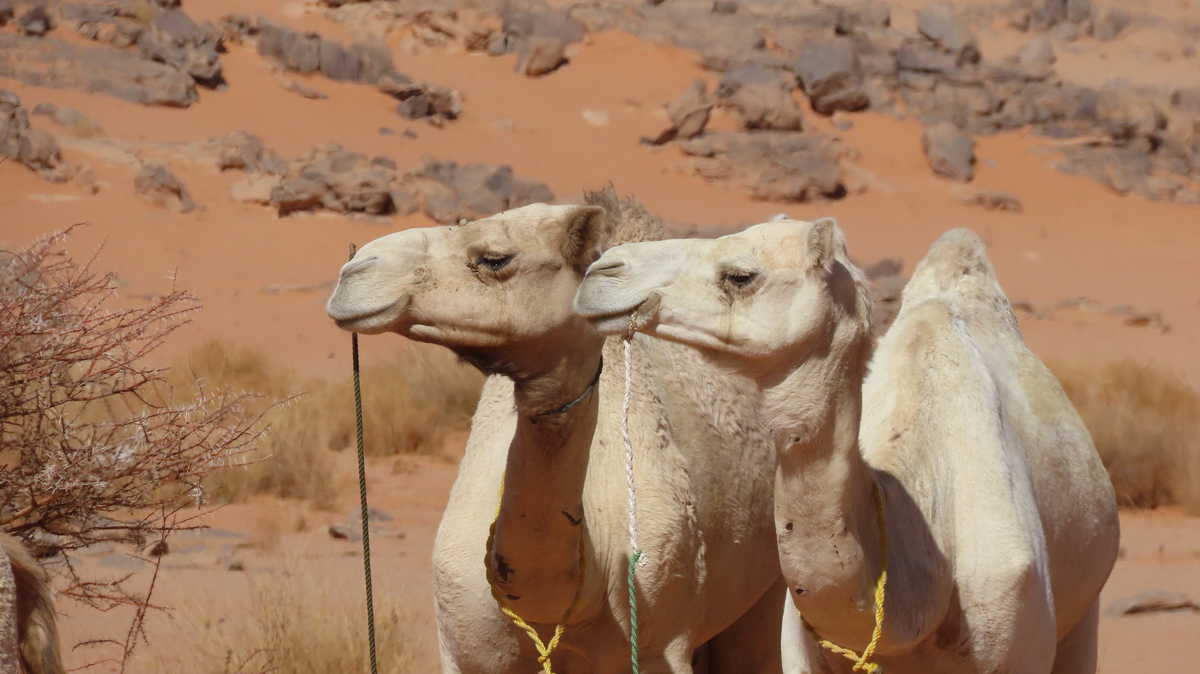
{"x":765,"y":295}
{"x":497,"y":290}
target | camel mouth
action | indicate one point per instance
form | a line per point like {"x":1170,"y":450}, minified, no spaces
{"x":637,"y":316}
{"x":454,"y":336}
{"x":367,"y":321}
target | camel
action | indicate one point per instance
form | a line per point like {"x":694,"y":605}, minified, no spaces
{"x":970,"y":475}
{"x":28,"y":626}
{"x":539,"y":504}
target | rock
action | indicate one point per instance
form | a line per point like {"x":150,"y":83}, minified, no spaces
{"x":762,"y":98}
{"x":925,"y":57}
{"x":688,"y":114}
{"x":158,"y":548}
{"x":829,"y":72}
{"x":301,"y":89}
{"x":235,"y":28}
{"x":159,"y":186}
{"x":1153,"y":601}
{"x":235,"y":565}
{"x":773,"y":166}
{"x":296,"y":194}
{"x":6,"y":11}
{"x":173,"y":38}
{"x":1079,"y":11}
{"x":540,"y":38}
{"x":541,"y":55}
{"x":337,"y":180}
{"x":35,"y":149}
{"x":78,"y":123}
{"x":939,"y":24}
{"x":448,"y":191}
{"x":344,"y":533}
{"x":994,"y":201}
{"x":52,"y":63}
{"x":36,"y":22}
{"x":1037,"y":56}
{"x":258,"y":189}
{"x":725,"y":7}
{"x":246,"y":152}
{"x":950,"y":152}
{"x":1109,"y":24}
{"x":863,"y":17}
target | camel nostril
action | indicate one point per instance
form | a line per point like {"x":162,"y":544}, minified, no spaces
{"x":608,"y":268}
{"x":355,"y":266}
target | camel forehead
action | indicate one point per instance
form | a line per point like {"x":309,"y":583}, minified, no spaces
{"x":525,"y":226}
{"x":770,"y":244}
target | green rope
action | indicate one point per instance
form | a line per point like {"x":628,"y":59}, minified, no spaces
{"x":631,"y":582}
{"x":362,"y":495}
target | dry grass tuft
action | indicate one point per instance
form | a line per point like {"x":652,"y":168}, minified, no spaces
{"x":410,"y":405}
{"x":1146,"y":426}
{"x":297,"y":622}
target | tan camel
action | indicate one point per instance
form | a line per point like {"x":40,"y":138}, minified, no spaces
{"x":498,"y":292}
{"x":28,"y":626}
{"x":1000,"y":518}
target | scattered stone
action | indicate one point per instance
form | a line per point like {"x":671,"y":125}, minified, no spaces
{"x":310,"y":53}
{"x":36,"y":22}
{"x":541,"y":55}
{"x":258,"y":189}
{"x":950,"y":152}
{"x":1109,"y":24}
{"x":1144,"y":319}
{"x":939,"y":24}
{"x":994,"y":201}
{"x":773,"y":166}
{"x":1153,"y":601}
{"x":78,"y":123}
{"x":344,"y":533}
{"x":688,"y":114}
{"x":53,"y":63}
{"x":448,"y":191}
{"x":35,"y":149}
{"x":303,"y":90}
{"x":869,"y":16}
{"x":830,"y":73}
{"x":725,"y":7}
{"x":6,"y":11}
{"x":235,"y":565}
{"x":762,"y":98}
{"x":158,"y":549}
{"x":1037,"y":56}
{"x":173,"y":38}
{"x":540,"y":37}
{"x":156,"y":184}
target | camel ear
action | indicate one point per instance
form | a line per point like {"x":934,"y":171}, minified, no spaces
{"x":822,"y":243}
{"x":586,"y":236}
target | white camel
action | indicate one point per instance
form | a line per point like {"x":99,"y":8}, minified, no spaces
{"x":995,"y":518}
{"x":28,"y":626}
{"x":545,"y":458}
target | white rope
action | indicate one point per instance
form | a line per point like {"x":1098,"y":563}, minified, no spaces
{"x":633,"y":526}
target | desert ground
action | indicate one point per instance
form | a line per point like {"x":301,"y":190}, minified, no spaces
{"x":1100,"y":269}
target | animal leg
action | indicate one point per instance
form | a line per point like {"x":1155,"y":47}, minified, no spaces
{"x":1077,"y":651}
{"x":751,"y":643}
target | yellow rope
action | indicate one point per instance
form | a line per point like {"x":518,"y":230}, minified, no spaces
{"x":863,"y":662}
{"x":544,"y":649}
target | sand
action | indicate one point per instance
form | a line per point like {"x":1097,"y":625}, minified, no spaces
{"x":263,"y":280}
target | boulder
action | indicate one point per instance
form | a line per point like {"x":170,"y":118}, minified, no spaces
{"x":157,"y":185}
{"x":762,"y":98}
{"x":688,"y":114}
{"x":173,"y":38}
{"x":52,"y":63}
{"x":541,"y":55}
{"x":35,"y":22}
{"x":829,"y":72}
{"x":6,"y":11}
{"x":940,"y":24}
{"x":1109,"y":24}
{"x":335,"y":179}
{"x":773,"y":166}
{"x":448,"y":191}
{"x":35,"y":149}
{"x":950,"y":152}
{"x":1037,"y":56}
{"x":869,"y":16}
{"x":539,"y":36}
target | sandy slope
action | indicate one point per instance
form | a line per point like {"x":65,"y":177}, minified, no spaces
{"x":1074,"y":238}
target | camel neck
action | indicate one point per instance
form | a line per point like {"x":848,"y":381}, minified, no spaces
{"x":825,"y":514}
{"x":535,"y":559}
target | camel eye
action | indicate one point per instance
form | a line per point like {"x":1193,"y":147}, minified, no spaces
{"x":493,"y":261}
{"x":740,"y":278}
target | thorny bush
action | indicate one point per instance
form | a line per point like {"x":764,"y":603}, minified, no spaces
{"x":94,"y":443}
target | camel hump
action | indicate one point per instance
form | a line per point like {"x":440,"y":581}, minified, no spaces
{"x":958,"y":263}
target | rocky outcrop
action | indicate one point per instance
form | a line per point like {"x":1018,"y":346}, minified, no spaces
{"x":950,"y":152}
{"x":762,"y":98}
{"x":773,"y":166}
{"x":51,"y":63}
{"x":157,"y":185}
{"x":173,"y":38}
{"x":34,"y":148}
